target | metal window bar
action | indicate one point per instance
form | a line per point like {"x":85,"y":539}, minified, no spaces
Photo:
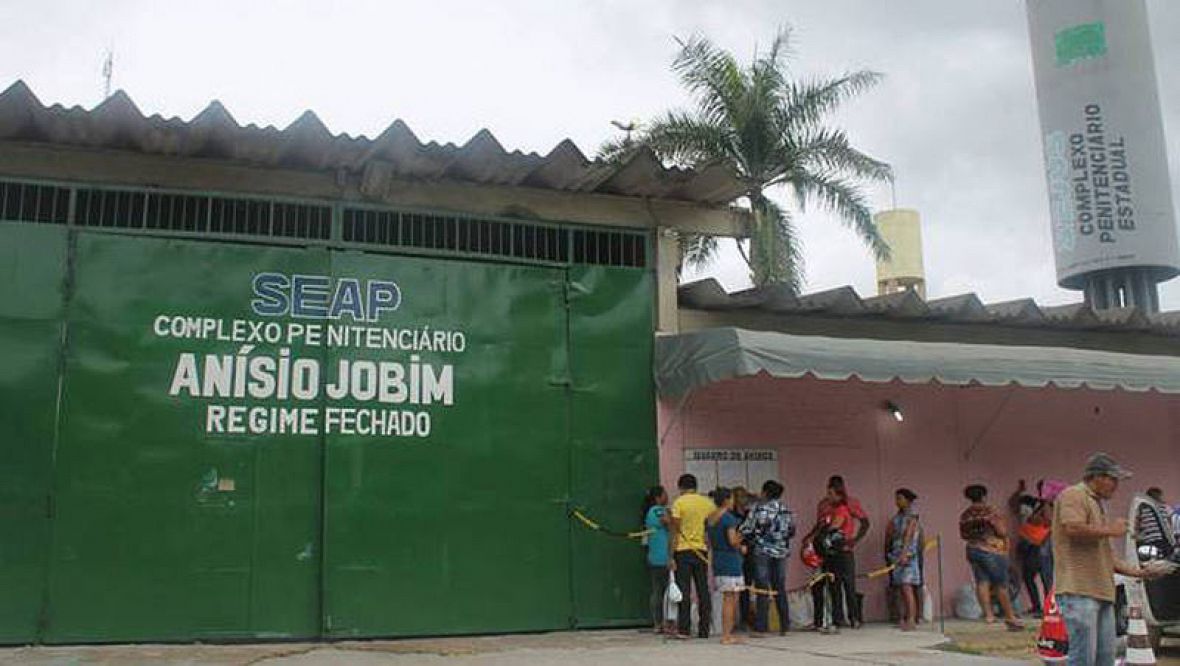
{"x":27,"y":202}
{"x":128,"y":209}
{"x":217,"y":217}
{"x":140,"y":209}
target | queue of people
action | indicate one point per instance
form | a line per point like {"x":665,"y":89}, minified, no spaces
{"x":739,"y":546}
{"x":1063,"y":542}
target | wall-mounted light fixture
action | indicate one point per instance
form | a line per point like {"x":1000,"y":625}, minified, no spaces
{"x":895,"y":410}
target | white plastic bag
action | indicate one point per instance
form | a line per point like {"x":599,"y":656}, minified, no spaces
{"x":671,"y":610}
{"x":672,"y":599}
{"x":967,"y":604}
{"x":673,"y":594}
{"x":800,"y":607}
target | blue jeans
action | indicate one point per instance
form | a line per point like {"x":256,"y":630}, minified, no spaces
{"x":770,"y":573}
{"x":1090,"y":623}
{"x":988,"y":567}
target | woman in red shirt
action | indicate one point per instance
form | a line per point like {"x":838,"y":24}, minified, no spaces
{"x":834,"y":542}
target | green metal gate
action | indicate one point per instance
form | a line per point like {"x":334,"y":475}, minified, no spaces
{"x":163,"y":531}
{"x":32,"y":263}
{"x":465,"y":531}
{"x":430,"y":495}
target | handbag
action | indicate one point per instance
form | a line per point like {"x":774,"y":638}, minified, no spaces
{"x":809,"y":556}
{"x":1053,"y":638}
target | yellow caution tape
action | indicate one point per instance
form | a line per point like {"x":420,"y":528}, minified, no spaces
{"x":586,"y":521}
{"x":591,"y":524}
{"x":932,"y":542}
{"x":816,"y":579}
{"x":819,"y":578}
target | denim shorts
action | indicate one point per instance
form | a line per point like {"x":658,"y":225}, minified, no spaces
{"x":729,"y":583}
{"x":988,"y":567}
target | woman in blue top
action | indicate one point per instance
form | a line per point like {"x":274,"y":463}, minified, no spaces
{"x":655,"y":521}
{"x":903,"y":549}
{"x":725,"y":545}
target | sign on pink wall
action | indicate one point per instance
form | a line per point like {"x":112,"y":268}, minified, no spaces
{"x":748,"y":468}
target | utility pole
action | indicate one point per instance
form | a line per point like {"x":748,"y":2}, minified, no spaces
{"x":108,"y":73}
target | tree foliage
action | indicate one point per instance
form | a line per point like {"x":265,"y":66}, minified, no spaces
{"x":772,"y":131}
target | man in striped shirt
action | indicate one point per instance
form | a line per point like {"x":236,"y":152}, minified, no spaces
{"x":1152,"y":526}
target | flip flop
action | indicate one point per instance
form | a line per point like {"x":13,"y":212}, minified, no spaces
{"x":732,"y":640}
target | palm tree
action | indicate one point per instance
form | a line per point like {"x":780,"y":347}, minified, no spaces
{"x":771,"y":131}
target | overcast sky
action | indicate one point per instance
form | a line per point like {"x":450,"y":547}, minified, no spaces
{"x":956,"y":114}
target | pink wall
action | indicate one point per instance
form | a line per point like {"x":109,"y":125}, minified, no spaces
{"x":951,"y":436}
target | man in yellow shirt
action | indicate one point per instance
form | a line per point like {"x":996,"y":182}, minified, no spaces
{"x":691,"y":556}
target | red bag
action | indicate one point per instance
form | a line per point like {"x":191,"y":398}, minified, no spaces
{"x":1053,"y":639}
{"x":809,"y":556}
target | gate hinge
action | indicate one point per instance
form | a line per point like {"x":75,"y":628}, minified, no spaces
{"x":42,"y":620}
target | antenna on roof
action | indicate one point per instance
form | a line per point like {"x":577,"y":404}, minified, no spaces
{"x":108,"y":72}
{"x":627,"y":127}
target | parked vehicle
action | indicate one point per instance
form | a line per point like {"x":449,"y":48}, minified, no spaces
{"x":1151,"y":538}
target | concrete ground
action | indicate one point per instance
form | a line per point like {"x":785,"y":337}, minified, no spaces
{"x":876,"y":644}
{"x":980,"y":638}
{"x":965,"y":643}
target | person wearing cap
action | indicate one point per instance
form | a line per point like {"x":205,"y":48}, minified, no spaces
{"x":1085,"y":564}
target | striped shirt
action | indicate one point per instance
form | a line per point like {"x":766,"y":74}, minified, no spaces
{"x":1152,"y":525}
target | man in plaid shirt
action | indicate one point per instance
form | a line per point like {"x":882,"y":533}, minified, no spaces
{"x":768,"y":528}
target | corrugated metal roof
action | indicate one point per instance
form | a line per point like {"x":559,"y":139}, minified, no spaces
{"x":687,"y":361}
{"x":708,"y":294}
{"x":307,"y":143}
